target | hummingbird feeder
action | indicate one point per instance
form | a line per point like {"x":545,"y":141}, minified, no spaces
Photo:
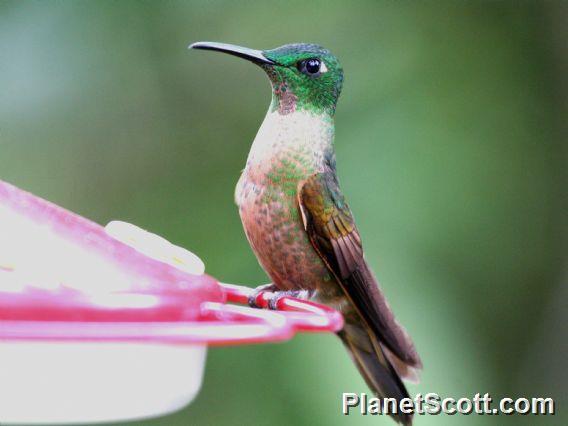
{"x":113,"y":323}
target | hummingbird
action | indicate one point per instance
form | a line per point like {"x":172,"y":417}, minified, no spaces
{"x":298,"y":222}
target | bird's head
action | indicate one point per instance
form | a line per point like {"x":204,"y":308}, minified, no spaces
{"x":304,"y":76}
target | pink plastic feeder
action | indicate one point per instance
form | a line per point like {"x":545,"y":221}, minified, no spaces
{"x":105,"y":324}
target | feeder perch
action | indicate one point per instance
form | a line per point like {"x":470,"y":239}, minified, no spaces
{"x":106,"y":324}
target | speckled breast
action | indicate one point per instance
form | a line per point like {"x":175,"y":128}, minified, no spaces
{"x":274,"y":228}
{"x":287,"y":149}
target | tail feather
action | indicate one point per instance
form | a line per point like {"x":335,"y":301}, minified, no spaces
{"x":374,"y":365}
{"x":405,"y":371}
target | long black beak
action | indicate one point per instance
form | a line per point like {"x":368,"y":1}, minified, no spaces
{"x":255,"y":56}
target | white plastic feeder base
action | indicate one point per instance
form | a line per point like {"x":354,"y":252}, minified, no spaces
{"x":96,"y":382}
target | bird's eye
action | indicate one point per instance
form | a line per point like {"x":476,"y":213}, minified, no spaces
{"x":312,"y":67}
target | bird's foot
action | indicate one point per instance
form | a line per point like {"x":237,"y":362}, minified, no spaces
{"x":297,"y":294}
{"x":257,"y":293}
{"x":256,"y":298}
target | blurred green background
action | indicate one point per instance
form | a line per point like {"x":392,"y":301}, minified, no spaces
{"x":451,"y":146}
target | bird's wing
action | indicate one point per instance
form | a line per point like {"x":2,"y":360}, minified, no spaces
{"x":332,"y":231}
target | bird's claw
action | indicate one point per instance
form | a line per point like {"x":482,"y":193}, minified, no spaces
{"x":274,"y":297}
{"x":253,"y":298}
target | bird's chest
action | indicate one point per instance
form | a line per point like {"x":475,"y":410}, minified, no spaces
{"x":268,"y":206}
{"x":287,"y":150}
